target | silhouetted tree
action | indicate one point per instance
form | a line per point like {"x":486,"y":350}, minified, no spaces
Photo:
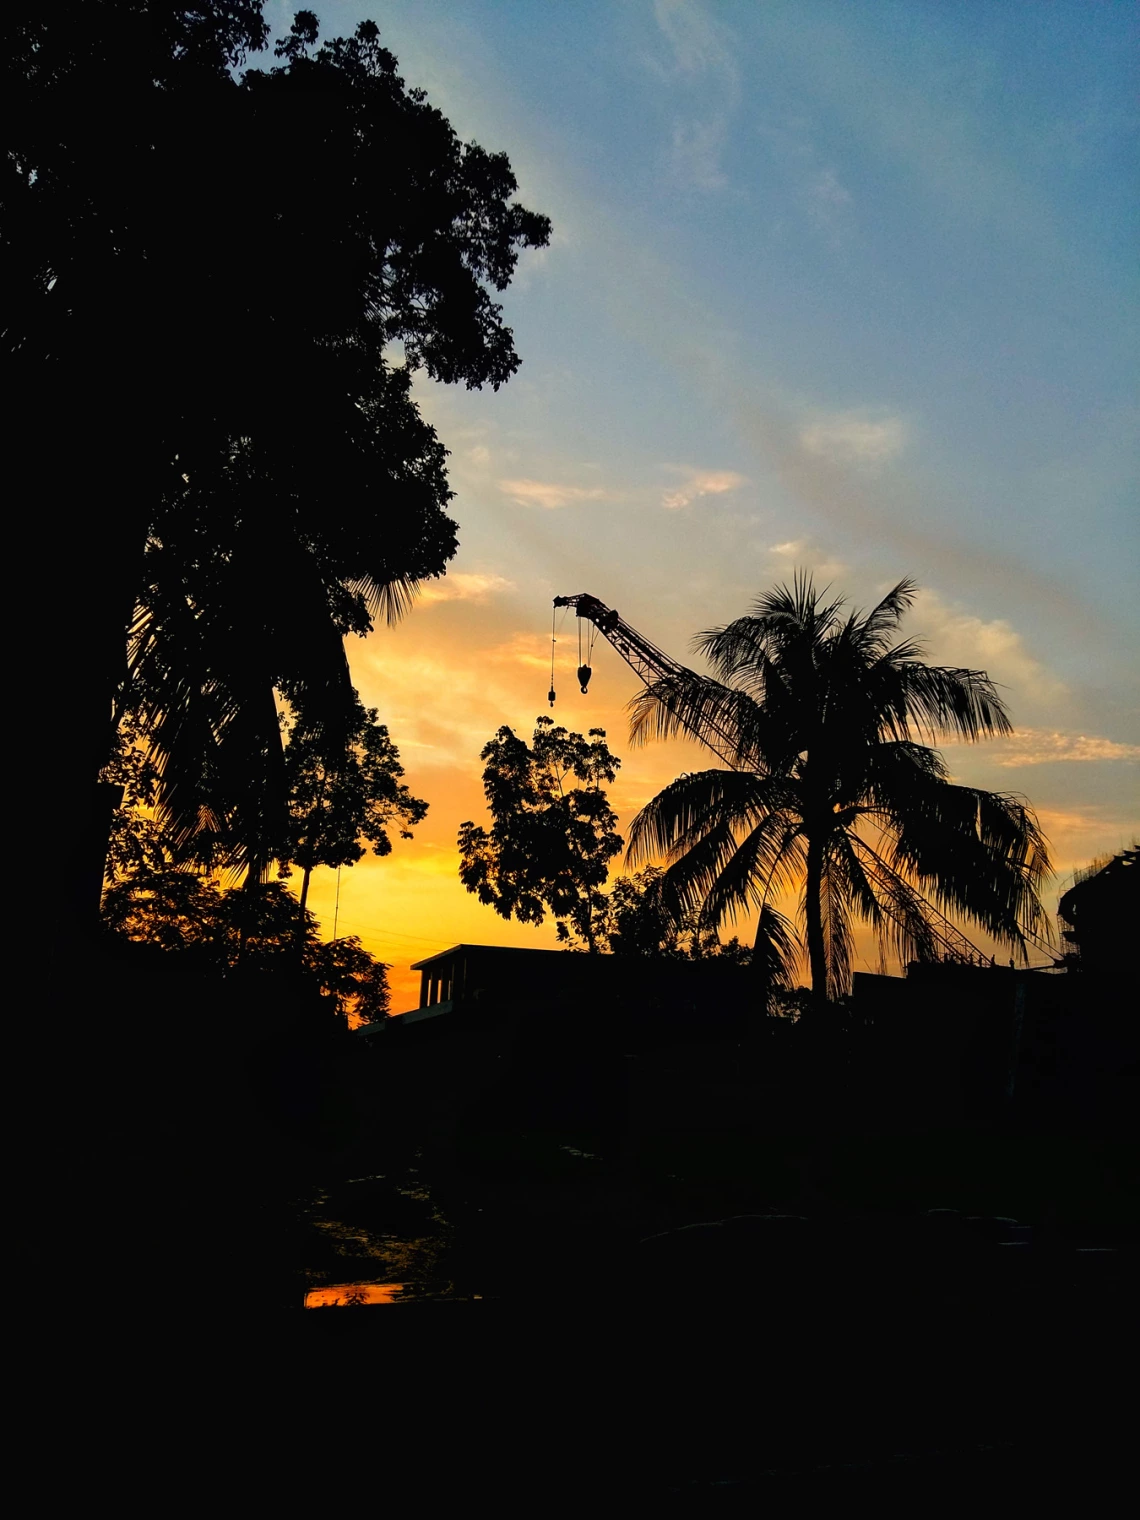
{"x":255,"y":925}
{"x":823,"y":715}
{"x":173,"y":910}
{"x":216,"y":288}
{"x":637,"y":922}
{"x":641,"y":919}
{"x":137,"y":841}
{"x":341,"y":801}
{"x":550,"y":842}
{"x":354,"y":978}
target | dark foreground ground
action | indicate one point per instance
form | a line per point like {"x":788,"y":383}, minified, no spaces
{"x":913,"y":1357}
{"x":721,"y":1279}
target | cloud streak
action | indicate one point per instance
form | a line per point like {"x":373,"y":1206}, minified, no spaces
{"x":1035,"y":746}
{"x":800,"y":554}
{"x":548,"y":494}
{"x":703,"y":59}
{"x":960,"y":638}
{"x":854,"y":437}
{"x":700,"y":483}
{"x":464,"y":586}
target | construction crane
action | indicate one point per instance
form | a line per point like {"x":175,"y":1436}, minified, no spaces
{"x":650,"y":664}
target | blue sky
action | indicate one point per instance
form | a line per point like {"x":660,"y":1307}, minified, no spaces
{"x":843,"y":287}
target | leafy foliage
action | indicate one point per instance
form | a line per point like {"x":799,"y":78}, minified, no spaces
{"x":640,"y":918}
{"x":828,"y":719}
{"x":254,"y":925}
{"x":550,"y":842}
{"x":219,"y":284}
{"x":137,"y":841}
{"x":342,"y":800}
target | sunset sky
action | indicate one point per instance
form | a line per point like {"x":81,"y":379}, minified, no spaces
{"x":842,"y":288}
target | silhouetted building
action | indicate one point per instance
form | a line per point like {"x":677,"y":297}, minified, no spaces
{"x":947,"y":1032}
{"x":978,"y":1041}
{"x":546,"y":1038}
{"x":1100,"y":916}
{"x":492,"y":981}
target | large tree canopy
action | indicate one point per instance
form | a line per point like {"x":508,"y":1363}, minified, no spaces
{"x":216,"y":286}
{"x":828,"y":719}
{"x":551,"y":841}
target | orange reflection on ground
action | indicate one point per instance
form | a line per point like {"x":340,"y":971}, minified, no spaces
{"x":349,"y":1295}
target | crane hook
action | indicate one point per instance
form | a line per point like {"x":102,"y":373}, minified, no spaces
{"x":584,"y":674}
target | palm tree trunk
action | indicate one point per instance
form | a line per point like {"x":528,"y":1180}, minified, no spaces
{"x":813,"y":912}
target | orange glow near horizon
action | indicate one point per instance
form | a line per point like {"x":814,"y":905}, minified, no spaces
{"x":455,"y":670}
{"x":444,"y":681}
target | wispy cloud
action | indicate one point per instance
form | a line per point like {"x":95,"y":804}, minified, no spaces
{"x":700,"y":43}
{"x":915,"y":519}
{"x":955,"y":637}
{"x":826,"y":199}
{"x":697,"y":148}
{"x":698,"y":483}
{"x":703,"y":63}
{"x":1079,"y":835}
{"x":548,"y":493}
{"x":801,"y":554}
{"x":854,"y":436}
{"x":814,"y":184}
{"x":464,"y":586}
{"x":526,"y":649}
{"x":1036,"y":746}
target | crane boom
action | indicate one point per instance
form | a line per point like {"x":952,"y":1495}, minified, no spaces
{"x":650,"y":664}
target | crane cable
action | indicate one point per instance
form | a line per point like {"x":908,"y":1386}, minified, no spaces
{"x":585,"y":665}
{"x":553,"y":621}
{"x":591,"y":639}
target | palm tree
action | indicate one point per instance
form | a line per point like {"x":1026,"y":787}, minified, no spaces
{"x":828,"y":722}
{"x":248,"y":588}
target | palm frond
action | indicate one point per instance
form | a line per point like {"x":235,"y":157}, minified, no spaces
{"x":941,"y":702}
{"x":725,"y":720}
{"x":837,"y":717}
{"x":769,"y":859}
{"x":776,"y":950}
{"x":694,"y":805}
{"x":980,"y":855}
{"x":392,"y":599}
{"x":885,"y":617}
{"x":902,"y":919}
{"x":204,"y":689}
{"x":836,"y":916}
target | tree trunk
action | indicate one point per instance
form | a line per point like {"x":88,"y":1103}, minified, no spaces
{"x":300,"y":940}
{"x":813,"y":912}
{"x":245,"y":900}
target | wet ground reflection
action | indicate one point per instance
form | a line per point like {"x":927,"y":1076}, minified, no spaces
{"x":377,"y":1239}
{"x":350,"y":1295}
{"x":548,"y":1217}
